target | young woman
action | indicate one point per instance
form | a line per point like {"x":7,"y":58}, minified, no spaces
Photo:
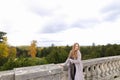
{"x":74,"y":63}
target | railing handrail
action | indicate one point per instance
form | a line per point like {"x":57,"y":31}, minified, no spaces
{"x":89,"y":62}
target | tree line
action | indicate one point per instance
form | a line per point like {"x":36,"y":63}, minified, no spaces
{"x":21,"y":56}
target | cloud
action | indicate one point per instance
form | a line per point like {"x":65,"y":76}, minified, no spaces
{"x":42,"y":8}
{"x":60,"y":15}
{"x":7,"y":27}
{"x":112,"y":11}
{"x":113,"y":16}
{"x":41,"y":11}
{"x":50,"y":41}
{"x":54,"y":26}
{"x":60,"y":25}
{"x":87,"y":23}
{"x":60,"y":21}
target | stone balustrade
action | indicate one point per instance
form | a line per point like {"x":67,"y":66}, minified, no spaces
{"x":107,"y":68}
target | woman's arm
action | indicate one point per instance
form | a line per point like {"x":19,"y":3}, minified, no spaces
{"x":67,"y":62}
{"x":68,"y":59}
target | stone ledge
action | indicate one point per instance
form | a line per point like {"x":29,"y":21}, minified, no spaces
{"x":26,"y":73}
{"x":40,"y":72}
{"x":7,"y":75}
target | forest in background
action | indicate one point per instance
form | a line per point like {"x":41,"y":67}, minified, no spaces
{"x":31,"y":55}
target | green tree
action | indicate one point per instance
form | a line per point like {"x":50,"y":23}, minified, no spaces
{"x":110,"y":52}
{"x":57,"y":55}
{"x":2,"y":34}
{"x":22,"y":51}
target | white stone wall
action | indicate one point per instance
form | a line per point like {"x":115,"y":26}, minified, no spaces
{"x":41,"y":72}
{"x":7,"y":75}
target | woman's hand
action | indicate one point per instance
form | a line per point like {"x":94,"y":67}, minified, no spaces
{"x":70,"y":60}
{"x":61,"y":65}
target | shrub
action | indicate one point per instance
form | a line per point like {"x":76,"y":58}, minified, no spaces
{"x":22,"y":62}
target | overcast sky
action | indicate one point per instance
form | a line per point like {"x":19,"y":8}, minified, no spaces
{"x":60,"y":22}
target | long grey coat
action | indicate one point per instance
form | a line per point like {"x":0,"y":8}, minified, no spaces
{"x":79,"y":67}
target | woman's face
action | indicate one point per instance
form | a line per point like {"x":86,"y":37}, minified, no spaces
{"x":76,"y":47}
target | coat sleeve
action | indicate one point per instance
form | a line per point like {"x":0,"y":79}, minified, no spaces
{"x":78,"y":60}
{"x":68,"y":59}
{"x":67,"y":62}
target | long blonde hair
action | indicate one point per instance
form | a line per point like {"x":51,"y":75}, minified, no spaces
{"x":73,"y":52}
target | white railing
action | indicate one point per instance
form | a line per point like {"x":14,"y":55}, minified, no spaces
{"x":107,"y":68}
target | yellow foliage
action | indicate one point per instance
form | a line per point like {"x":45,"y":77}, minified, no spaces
{"x":33,"y":49}
{"x":4,"y":48}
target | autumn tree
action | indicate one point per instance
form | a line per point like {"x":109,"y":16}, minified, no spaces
{"x":3,"y":51}
{"x":12,"y":52}
{"x":33,"y":49}
{"x":4,"y":48}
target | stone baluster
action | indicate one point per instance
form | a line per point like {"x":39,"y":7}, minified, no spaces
{"x":106,"y":68}
{"x":87,"y":73}
{"x":102,"y":70}
{"x":116,"y":64}
{"x":98,"y":71}
{"x":114,"y":67}
{"x":93,"y":72}
{"x":110,"y":67}
{"x":119,"y":65}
